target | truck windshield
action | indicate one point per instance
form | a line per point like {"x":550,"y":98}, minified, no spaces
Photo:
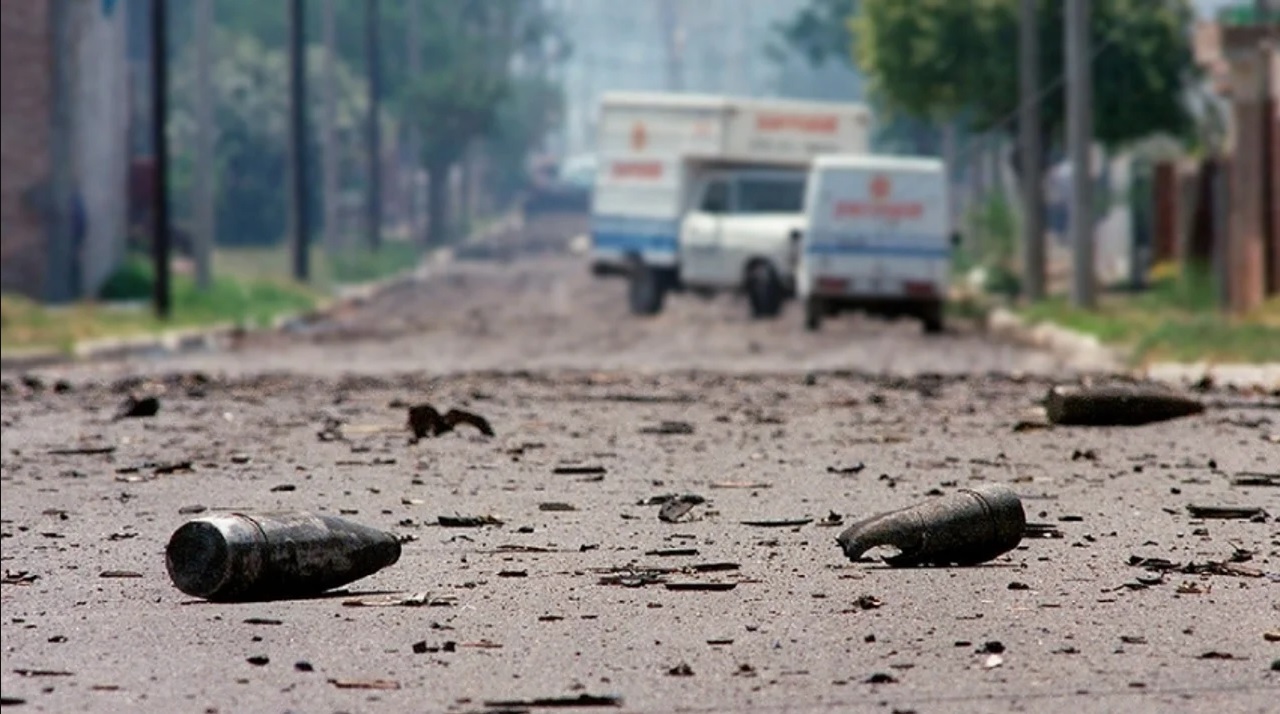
{"x":770,"y":195}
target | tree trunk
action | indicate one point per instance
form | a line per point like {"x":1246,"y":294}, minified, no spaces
{"x":437,"y":203}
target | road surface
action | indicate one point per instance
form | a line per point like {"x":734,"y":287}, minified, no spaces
{"x":773,"y":424}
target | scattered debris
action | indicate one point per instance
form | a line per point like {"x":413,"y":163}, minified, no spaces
{"x":854,"y":468}
{"x":868,"y":602}
{"x":784,"y":523}
{"x":1231,"y":568}
{"x":675,"y":507}
{"x":133,"y":407}
{"x":694,"y":585}
{"x":1216,"y":654}
{"x":19,"y":577}
{"x":681,"y":670}
{"x":669,"y":428}
{"x":416,"y":600}
{"x":750,"y":485}
{"x":556,"y":506}
{"x":672,"y":552}
{"x":283,"y":555}
{"x":832,"y":519}
{"x":425,"y":420}
{"x":1028,"y":425}
{"x":365,"y":683}
{"x":82,"y":451}
{"x":1226,"y":512}
{"x":582,"y":700}
{"x":969,"y":527}
{"x":1117,"y":405}
{"x":580,"y":470}
{"x":456,"y":521}
{"x":1254,"y":478}
{"x":1041,"y":530}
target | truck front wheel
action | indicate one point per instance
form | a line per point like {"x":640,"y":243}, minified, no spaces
{"x":764,"y":291}
{"x":646,"y":291}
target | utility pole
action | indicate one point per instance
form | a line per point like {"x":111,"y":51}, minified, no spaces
{"x":414,"y":37}
{"x":298,"y":142}
{"x":61,"y":253}
{"x":159,"y":112}
{"x":329,"y":151}
{"x":371,"y":49}
{"x":673,"y":43}
{"x":1079,"y":138}
{"x":204,"y":176}
{"x":1029,"y":153}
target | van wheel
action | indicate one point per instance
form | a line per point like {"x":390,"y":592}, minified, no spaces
{"x":646,"y":290}
{"x":814,"y":311}
{"x":764,"y":291}
{"x":932,"y":319}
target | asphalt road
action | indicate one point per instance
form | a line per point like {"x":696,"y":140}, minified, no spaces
{"x":778,"y":421}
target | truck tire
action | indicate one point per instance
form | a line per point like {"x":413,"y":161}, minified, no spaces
{"x":646,"y":290}
{"x":932,"y":319}
{"x":814,"y":311}
{"x":764,"y":291}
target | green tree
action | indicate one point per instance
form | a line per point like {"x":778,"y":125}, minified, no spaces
{"x":474,"y":46}
{"x":945,"y":58}
{"x":250,"y":88}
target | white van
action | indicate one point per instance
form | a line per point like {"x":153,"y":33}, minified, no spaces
{"x":704,"y":193}
{"x":878,"y":239}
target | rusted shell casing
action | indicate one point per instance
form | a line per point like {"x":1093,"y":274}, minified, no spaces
{"x":965,"y":528}
{"x":270,"y":556}
{"x":1117,"y":405}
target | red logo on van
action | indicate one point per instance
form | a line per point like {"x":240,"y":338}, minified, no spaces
{"x":639,"y":137}
{"x":880,"y":188}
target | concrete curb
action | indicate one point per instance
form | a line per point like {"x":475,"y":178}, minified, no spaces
{"x":178,"y":341}
{"x":1084,"y":352}
{"x":1087,"y":353}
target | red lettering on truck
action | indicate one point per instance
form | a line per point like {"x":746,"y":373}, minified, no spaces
{"x":799,"y":123}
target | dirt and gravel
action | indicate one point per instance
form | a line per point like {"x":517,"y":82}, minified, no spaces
{"x":1137,"y":606}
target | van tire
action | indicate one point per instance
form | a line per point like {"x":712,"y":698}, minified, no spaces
{"x":814,"y":311}
{"x":764,"y":290}
{"x":646,"y":290}
{"x":932,"y":319}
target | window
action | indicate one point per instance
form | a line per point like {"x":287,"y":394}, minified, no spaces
{"x":716,"y":197}
{"x":770,"y":195}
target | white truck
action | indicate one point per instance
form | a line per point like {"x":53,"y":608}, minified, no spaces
{"x":877,"y":239}
{"x":706,"y":193}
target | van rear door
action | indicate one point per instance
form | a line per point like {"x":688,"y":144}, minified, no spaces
{"x":878,"y":229}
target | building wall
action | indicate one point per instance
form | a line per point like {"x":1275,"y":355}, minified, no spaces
{"x":101,"y":145}
{"x":25,"y":82}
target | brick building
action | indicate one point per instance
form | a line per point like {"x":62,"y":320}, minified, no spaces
{"x":96,"y":141}
{"x":26,"y":81}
